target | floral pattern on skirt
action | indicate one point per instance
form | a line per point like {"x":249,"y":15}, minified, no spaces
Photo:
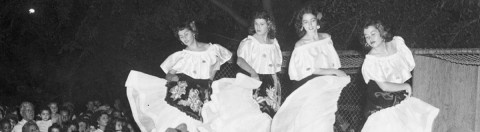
{"x":268,"y":95}
{"x":188,"y":95}
{"x":377,"y":99}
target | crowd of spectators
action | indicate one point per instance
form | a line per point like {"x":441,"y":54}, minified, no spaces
{"x":66,"y":117}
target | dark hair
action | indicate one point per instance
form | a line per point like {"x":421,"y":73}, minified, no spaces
{"x":28,"y":124}
{"x":44,"y":108}
{"x":111,"y":125}
{"x":189,"y":24}
{"x":51,"y":103}
{"x":11,"y":117}
{"x":24,"y":104}
{"x":384,"y":31}
{"x":270,"y":23}
{"x":4,"y":121}
{"x":84,"y":119}
{"x":96,"y":117}
{"x":71,"y":123}
{"x":299,"y":19}
{"x":55,"y":125}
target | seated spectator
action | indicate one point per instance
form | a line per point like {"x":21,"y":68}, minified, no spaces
{"x":55,"y":128}
{"x":131,"y":128}
{"x":83,"y":124}
{"x":116,"y":125}
{"x":105,"y":108}
{"x":71,"y":109}
{"x":101,"y":118}
{"x":90,"y":106}
{"x":5,"y":126}
{"x":45,"y":122}
{"x":97,"y":104}
{"x":71,"y":126}
{"x":65,"y":115}
{"x":12,"y":119}
{"x":30,"y":126}
{"x":54,"y":112}
{"x":27,"y":112}
{"x":117,"y":114}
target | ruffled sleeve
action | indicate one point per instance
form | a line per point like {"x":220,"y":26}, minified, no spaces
{"x":300,"y":65}
{"x":331,"y":55}
{"x":404,"y":52}
{"x":222,"y":54}
{"x":394,"y":68}
{"x":308,"y":57}
{"x":370,"y":71}
{"x":244,"y":48}
{"x":171,"y":61}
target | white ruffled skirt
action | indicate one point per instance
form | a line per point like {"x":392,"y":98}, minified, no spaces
{"x":311,"y":107}
{"x":232,"y":108}
{"x":146,"y":95}
{"x":411,"y":115}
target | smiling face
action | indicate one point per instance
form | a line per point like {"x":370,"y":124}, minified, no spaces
{"x":309,"y":22}
{"x":261,"y":27}
{"x":372,"y":36}
{"x":103,"y":120}
{"x":186,"y":36}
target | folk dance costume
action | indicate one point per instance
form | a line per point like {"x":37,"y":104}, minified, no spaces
{"x":151,"y":98}
{"x":312,"y":106}
{"x":233,"y":108}
{"x":394,"y":111}
{"x":266,"y":60}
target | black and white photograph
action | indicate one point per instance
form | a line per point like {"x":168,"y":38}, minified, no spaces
{"x":239,"y":65}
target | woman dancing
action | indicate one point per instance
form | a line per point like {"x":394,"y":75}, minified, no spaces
{"x":158,"y":104}
{"x":259,"y":54}
{"x":314,"y":66}
{"x":386,"y":70}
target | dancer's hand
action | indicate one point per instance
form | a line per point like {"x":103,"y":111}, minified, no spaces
{"x":255,"y":76}
{"x":340,"y":73}
{"x":171,"y":77}
{"x":409,"y":91}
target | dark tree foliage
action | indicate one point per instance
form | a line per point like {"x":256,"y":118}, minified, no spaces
{"x":80,"y":50}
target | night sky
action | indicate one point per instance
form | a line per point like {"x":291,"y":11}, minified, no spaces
{"x":79,"y":50}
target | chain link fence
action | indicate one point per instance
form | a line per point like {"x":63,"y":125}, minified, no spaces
{"x":349,"y":114}
{"x":349,"y":117}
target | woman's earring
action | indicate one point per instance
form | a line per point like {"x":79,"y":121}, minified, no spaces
{"x":318,"y":27}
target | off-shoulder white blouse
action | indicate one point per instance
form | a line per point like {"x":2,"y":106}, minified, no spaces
{"x":306,"y":58}
{"x":394,"y":68}
{"x":263,"y":58}
{"x":197,"y":64}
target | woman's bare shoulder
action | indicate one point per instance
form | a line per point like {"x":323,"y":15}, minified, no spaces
{"x":301,"y":42}
{"x":322,"y":36}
